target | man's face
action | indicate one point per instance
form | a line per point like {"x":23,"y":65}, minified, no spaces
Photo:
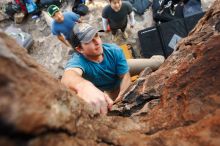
{"x":116,"y":5}
{"x":58,"y":17}
{"x":92,"y":48}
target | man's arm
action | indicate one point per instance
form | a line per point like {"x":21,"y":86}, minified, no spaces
{"x":105,"y":24}
{"x":63,"y":40}
{"x":125,"y":83}
{"x":105,"y":17}
{"x":131,"y":19}
{"x":73,"y":80}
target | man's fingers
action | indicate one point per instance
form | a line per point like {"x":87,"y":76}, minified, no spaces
{"x":103,"y":106}
{"x":119,"y":98}
{"x":103,"y":110}
{"x":96,"y":106}
{"x":109,"y":101}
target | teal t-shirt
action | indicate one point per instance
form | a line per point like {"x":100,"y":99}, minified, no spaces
{"x":104,"y":75}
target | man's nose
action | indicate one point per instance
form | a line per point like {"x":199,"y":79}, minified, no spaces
{"x":117,"y":5}
{"x":59,"y":16}
{"x":95,"y":41}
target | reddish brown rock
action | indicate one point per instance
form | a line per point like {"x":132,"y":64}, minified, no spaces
{"x":179,"y":104}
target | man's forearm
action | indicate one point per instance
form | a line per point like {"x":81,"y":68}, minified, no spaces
{"x":125,"y":83}
{"x":63,"y":40}
{"x":131,"y":18}
{"x":82,"y":85}
{"x":104,"y":24}
{"x":75,"y":82}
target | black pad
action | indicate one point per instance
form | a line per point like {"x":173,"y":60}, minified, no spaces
{"x":192,"y":21}
{"x":150,"y":42}
{"x":162,"y":39}
{"x":171,"y":33}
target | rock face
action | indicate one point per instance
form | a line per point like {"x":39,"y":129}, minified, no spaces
{"x":179,"y":104}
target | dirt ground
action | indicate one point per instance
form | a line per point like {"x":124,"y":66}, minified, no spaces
{"x":52,"y":54}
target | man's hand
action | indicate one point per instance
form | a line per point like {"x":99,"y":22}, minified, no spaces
{"x":118,"y":98}
{"x":63,"y":40}
{"x":95,"y":97}
{"x":73,"y":80}
{"x":109,"y":101}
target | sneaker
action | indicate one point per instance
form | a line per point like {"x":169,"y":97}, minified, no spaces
{"x":125,"y":35}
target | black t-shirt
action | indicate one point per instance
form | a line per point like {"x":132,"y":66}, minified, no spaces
{"x":117,"y":19}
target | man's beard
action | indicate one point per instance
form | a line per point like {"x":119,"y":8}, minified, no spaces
{"x":96,"y":55}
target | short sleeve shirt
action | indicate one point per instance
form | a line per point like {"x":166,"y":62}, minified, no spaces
{"x":104,"y":75}
{"x":117,"y":19}
{"x":65,"y":27}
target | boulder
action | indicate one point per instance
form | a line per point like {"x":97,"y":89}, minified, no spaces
{"x":179,"y":104}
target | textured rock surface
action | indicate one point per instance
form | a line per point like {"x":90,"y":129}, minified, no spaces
{"x":179,"y":104}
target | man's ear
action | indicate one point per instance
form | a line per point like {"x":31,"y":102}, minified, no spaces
{"x":79,"y":49}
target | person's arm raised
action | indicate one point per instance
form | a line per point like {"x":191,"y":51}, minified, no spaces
{"x":105,"y":24}
{"x":131,"y":19}
{"x":63,"y":40}
{"x":125,"y":83}
{"x":73,"y":80}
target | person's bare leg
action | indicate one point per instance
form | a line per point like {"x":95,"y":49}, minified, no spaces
{"x":137,"y":65}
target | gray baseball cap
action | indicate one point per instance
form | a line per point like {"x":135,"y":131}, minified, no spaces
{"x":84,"y":32}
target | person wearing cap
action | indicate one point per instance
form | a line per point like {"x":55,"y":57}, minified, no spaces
{"x":62,"y":24}
{"x":115,"y":15}
{"x":95,"y":68}
{"x":97,"y":72}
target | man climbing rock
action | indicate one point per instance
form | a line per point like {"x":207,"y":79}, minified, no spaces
{"x":62,"y":24}
{"x":99,"y":73}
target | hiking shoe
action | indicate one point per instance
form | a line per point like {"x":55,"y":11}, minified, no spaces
{"x":125,"y":35}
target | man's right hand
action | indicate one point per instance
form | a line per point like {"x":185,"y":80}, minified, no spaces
{"x":95,"y":97}
{"x":73,"y":80}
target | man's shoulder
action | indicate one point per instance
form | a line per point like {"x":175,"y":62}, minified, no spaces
{"x":70,"y":14}
{"x":76,"y":56}
{"x":106,"y":9}
{"x":54,"y":25}
{"x":76,"y":61}
{"x":126,"y":4}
